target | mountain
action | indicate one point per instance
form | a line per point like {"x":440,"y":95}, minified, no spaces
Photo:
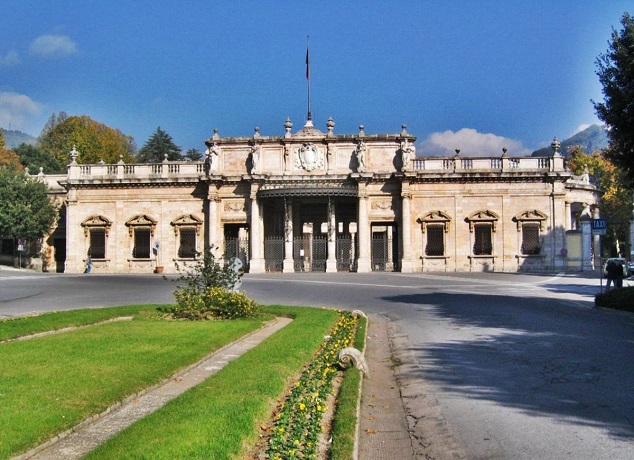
{"x":15,"y":138}
{"x":591,"y":139}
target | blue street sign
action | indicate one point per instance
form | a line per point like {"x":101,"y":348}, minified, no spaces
{"x":599,"y":226}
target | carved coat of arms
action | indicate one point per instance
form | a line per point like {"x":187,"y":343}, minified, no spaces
{"x":309,"y":157}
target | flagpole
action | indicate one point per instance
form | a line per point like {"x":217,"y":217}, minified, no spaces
{"x":310,"y":116}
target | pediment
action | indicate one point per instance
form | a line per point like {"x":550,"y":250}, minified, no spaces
{"x":141,"y":220}
{"x":532,"y":214}
{"x":483,"y":216}
{"x":188,"y":219}
{"x":434,"y":216}
{"x":96,"y":221}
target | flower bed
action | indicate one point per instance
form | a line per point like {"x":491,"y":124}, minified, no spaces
{"x":298,"y":421}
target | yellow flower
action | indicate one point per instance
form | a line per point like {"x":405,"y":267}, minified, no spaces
{"x":302,"y":406}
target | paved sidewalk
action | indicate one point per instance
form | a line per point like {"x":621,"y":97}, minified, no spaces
{"x":95,"y":431}
{"x":383,"y":427}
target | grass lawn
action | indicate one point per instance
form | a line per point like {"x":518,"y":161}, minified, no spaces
{"x":51,"y":383}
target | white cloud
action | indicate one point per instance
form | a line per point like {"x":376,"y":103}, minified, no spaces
{"x":18,"y":111}
{"x":53,"y":46}
{"x":10,"y":59}
{"x":471,"y":144}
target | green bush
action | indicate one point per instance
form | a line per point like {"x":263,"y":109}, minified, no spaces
{"x":212,"y":303}
{"x":617,"y":299}
{"x":207,"y":272}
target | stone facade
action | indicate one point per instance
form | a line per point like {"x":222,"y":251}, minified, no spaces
{"x":315,"y":201}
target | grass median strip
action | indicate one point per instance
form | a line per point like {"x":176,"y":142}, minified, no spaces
{"x":221,"y":417}
{"x":54,"y":382}
{"x":50,"y":384}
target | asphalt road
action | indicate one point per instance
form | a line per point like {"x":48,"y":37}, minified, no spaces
{"x":518,"y":366}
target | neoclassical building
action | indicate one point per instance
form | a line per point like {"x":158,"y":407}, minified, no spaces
{"x":319,"y":201}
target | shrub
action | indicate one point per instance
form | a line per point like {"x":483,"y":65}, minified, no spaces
{"x":212,"y":303}
{"x":207,"y":292}
{"x":617,"y":299}
{"x":206,"y":272}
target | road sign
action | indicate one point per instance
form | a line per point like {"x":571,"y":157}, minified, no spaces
{"x":599,"y":226}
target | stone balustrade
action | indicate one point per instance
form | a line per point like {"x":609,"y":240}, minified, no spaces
{"x":419,"y":165}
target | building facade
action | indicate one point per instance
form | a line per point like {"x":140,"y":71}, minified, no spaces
{"x":319,"y":201}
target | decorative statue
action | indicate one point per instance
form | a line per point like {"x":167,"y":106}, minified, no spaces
{"x":360,"y":152}
{"x":408,"y":151}
{"x":255,"y":158}
{"x":212,"y":152}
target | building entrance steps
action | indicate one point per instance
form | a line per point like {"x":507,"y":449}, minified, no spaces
{"x":85,"y":437}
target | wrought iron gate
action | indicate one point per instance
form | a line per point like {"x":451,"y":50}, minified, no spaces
{"x":346,"y":254}
{"x":274,"y":253}
{"x":237,"y":247}
{"x":383,"y":252}
{"x":310,"y":253}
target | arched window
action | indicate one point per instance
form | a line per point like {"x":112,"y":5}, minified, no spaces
{"x":187,"y":231}
{"x":96,"y":229}
{"x":141,"y":229}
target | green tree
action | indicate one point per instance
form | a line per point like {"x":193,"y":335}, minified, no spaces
{"x":25,"y":208}
{"x":193,"y":155}
{"x":93,"y":140}
{"x":35,"y":158}
{"x":7,"y":156}
{"x":616,"y":202}
{"x":157,"y":146}
{"x":615,"y":70}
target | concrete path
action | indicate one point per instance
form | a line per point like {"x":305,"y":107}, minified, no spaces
{"x":383,"y":427}
{"x":93,"y":432}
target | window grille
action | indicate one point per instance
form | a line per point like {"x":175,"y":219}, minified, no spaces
{"x":435,"y":240}
{"x":530,"y":239}
{"x":141,"y":243}
{"x":483,"y":245}
{"x":97,"y":248}
{"x":187,"y":246}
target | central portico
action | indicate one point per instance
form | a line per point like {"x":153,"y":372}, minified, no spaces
{"x":305,"y":199}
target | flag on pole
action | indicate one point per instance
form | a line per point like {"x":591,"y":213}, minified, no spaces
{"x":307,"y":64}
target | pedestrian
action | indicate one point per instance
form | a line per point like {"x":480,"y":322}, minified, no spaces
{"x":88,"y":265}
{"x":612,"y":273}
{"x":620,"y":274}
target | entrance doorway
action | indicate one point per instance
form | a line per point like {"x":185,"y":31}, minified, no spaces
{"x":237,"y":243}
{"x":384,"y":256}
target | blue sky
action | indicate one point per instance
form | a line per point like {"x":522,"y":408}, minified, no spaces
{"x":476,"y":75}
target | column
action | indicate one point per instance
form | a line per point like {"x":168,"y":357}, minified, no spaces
{"x":331,"y":261}
{"x":212,"y":242}
{"x":568,"y":217}
{"x":256,"y":240}
{"x":363,"y":232}
{"x":586,"y":245}
{"x":289,"y":265}
{"x":74,"y":262}
{"x":407,"y":265}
